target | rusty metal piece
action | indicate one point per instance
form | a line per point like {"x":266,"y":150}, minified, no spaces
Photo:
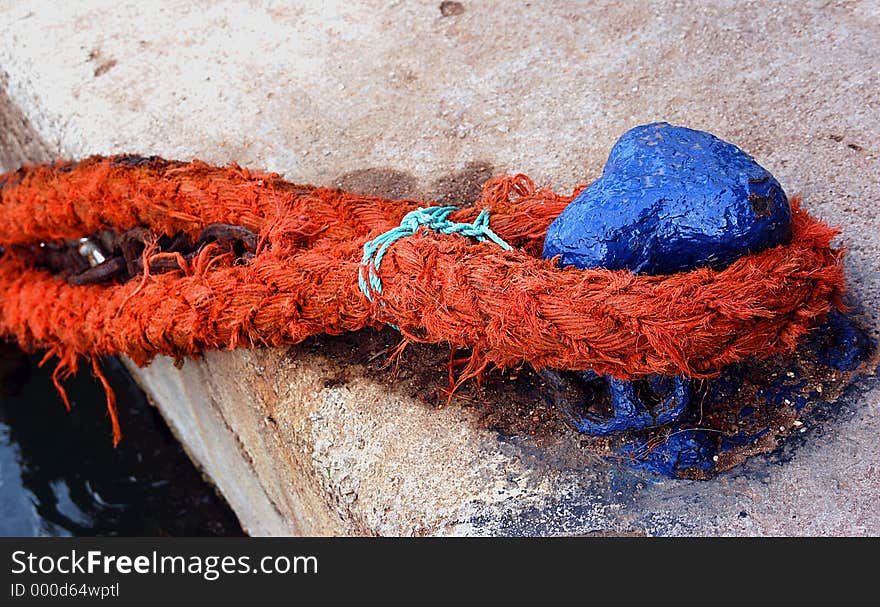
{"x":103,"y":272}
{"x":225,"y":233}
{"x":109,"y":255}
{"x":131,"y":244}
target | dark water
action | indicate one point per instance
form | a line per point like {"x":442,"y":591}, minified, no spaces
{"x":61,"y":476}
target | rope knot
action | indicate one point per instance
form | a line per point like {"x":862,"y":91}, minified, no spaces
{"x":433,"y":218}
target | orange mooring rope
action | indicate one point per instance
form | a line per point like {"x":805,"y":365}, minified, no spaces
{"x":506,"y":306}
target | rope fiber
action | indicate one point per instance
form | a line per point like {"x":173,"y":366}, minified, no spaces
{"x":316,"y":269}
{"x":433,"y":218}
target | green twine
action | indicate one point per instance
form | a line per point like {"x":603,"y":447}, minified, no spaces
{"x":434,"y":218}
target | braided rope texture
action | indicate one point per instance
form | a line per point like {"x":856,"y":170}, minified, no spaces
{"x":433,"y":218}
{"x":507,"y":306}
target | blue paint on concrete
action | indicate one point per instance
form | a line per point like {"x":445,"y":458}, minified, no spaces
{"x":782,"y":393}
{"x":673,"y":395}
{"x":741,"y":439}
{"x":671,"y":199}
{"x":786,"y":387}
{"x":840,"y":343}
{"x":682,"y":451}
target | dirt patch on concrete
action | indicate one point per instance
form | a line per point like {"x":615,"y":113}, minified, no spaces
{"x":19,"y":142}
{"x":379,"y":181}
{"x":460,"y":188}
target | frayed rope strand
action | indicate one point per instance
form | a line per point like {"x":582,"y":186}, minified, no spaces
{"x":433,"y":218}
{"x":68,"y":363}
{"x":111,"y":400}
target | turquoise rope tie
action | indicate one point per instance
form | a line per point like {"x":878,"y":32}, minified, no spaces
{"x":434,"y":218}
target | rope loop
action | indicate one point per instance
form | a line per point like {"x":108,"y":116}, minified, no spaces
{"x":433,"y":218}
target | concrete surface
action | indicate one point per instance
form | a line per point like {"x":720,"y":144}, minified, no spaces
{"x":396,"y":97}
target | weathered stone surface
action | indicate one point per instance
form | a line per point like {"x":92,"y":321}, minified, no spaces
{"x":398,"y":97}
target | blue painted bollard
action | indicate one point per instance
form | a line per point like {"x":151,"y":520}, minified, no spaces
{"x":673,"y":199}
{"x":670,"y":199}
